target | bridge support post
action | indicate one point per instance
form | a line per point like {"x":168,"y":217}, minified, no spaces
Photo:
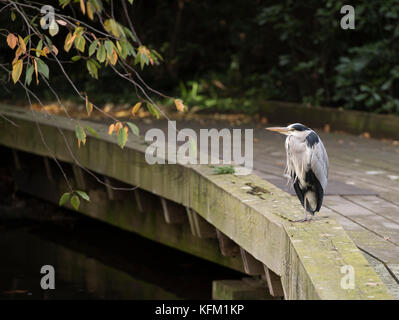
{"x":252,"y":266}
{"x":228,"y":247}
{"x":274,"y":283}
{"x":245,"y":289}
{"x":173,"y":213}
{"x":199,"y":226}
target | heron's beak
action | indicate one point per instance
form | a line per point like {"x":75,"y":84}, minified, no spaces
{"x":283,"y":130}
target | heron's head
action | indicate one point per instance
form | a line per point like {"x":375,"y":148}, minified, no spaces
{"x":295,"y":129}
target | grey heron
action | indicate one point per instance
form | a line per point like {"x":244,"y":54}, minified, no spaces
{"x":307,"y":166}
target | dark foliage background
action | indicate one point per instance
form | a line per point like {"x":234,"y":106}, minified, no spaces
{"x":229,"y":54}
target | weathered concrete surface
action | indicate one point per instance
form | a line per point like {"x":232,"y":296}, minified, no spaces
{"x":308,"y":257}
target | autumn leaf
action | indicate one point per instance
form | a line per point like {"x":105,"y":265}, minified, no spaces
{"x":36,"y":71}
{"x":82,"y":7}
{"x":118,"y":126}
{"x":90,"y":10}
{"x":12,"y":40}
{"x":80,"y":134}
{"x":111,"y":129}
{"x":17,"y":70}
{"x":89,"y":106}
{"x":80,"y":43}
{"x":136,"y":108}
{"x":113,"y":58}
{"x":22,"y":44}
{"x":69,"y":41}
{"x":179,"y":105}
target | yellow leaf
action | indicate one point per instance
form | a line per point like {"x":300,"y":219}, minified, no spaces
{"x":179,"y":105}
{"x":22,"y":44}
{"x":12,"y":40}
{"x":118,"y":126}
{"x":79,"y":143}
{"x":18,"y":52}
{"x":46,"y":50}
{"x":36,"y":71}
{"x":90,"y":11}
{"x":17,"y":70}
{"x":113,"y":58}
{"x":89,"y":106}
{"x":82,"y":6}
{"x":126,"y":131}
{"x":69,"y":41}
{"x":136,"y":108}
{"x":111,"y":129}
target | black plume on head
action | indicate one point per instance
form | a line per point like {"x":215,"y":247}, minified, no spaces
{"x":299,"y":127}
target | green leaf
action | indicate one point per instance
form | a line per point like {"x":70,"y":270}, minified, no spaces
{"x":83,"y":195}
{"x":76,"y":58}
{"x":75,"y":202}
{"x":80,"y":133}
{"x":80,"y":43}
{"x":153,"y":110}
{"x":131,"y":1}
{"x":112,"y":27}
{"x":64,"y":198}
{"x":28,"y":75}
{"x":134,"y":128}
{"x":109,"y":45}
{"x":91,"y":66}
{"x":92,"y":131}
{"x":122,"y":138}
{"x":93,"y":47}
{"x":64,"y":3}
{"x":39,"y":47}
{"x":42,"y":67}
{"x":101,"y":53}
{"x":13,"y":16}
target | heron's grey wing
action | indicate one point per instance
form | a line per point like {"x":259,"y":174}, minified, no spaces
{"x":319,"y":163}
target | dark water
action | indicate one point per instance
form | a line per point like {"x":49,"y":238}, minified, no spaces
{"x":92,"y":260}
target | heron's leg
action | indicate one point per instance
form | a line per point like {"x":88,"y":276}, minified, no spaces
{"x":305,"y":218}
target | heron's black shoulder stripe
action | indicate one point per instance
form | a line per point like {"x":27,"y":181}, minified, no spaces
{"x":312,"y":139}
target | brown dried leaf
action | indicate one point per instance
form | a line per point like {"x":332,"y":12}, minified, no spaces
{"x":12,"y":40}
{"x":118,"y":126}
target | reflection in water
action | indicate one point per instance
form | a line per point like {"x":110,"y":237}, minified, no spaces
{"x":95,"y":261}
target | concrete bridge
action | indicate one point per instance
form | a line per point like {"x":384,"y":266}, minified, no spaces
{"x":191,"y":209}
